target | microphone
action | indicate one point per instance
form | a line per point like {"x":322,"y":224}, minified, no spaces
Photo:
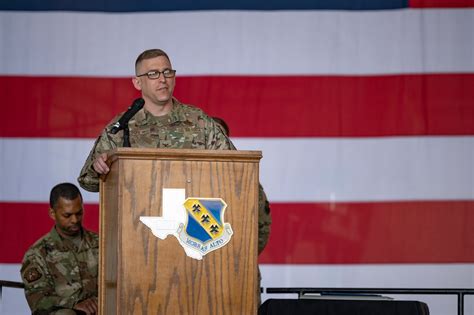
{"x":132,"y":110}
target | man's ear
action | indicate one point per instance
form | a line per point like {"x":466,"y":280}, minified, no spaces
{"x":136,"y":83}
{"x":51,"y":214}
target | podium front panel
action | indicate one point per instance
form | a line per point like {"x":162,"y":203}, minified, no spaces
{"x":143,"y":274}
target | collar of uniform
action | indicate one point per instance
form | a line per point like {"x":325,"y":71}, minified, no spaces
{"x":89,"y":238}
{"x":54,"y":235}
{"x":56,"y":241}
{"x":64,"y":244}
{"x":143,"y":116}
{"x":177,"y":112}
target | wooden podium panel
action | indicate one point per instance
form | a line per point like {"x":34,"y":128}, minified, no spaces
{"x":142,"y":274}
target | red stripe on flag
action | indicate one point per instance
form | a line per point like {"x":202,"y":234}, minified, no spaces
{"x":375,"y":232}
{"x":21,"y":224}
{"x":441,"y":3}
{"x":316,"y":233}
{"x":254,"y":106}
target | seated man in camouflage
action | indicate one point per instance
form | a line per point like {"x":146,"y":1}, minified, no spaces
{"x":60,"y":269}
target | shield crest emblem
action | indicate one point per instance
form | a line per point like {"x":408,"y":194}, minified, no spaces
{"x":205,"y":229}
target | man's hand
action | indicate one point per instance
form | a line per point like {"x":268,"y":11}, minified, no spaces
{"x":88,"y":306}
{"x":99,"y":164}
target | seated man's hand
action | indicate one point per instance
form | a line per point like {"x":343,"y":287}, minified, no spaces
{"x":88,"y":306}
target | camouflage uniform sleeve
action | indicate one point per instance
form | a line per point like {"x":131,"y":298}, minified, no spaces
{"x":215,"y":136}
{"x":39,"y":285}
{"x":264,"y":219}
{"x":89,"y":178}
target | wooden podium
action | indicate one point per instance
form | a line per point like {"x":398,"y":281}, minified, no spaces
{"x":143,"y":274}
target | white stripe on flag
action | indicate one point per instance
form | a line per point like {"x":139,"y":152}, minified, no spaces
{"x":240,"y":42}
{"x":292,"y":169}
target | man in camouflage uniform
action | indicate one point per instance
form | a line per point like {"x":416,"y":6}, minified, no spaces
{"x":60,"y":269}
{"x":163,"y":122}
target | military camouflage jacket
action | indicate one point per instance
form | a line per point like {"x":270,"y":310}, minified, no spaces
{"x":185,"y":127}
{"x":57,"y":274}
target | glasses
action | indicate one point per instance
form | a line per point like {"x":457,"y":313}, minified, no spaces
{"x":155,"y":74}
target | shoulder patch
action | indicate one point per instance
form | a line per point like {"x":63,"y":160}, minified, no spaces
{"x":32,"y":274}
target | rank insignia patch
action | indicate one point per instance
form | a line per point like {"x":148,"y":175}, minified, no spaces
{"x":32,"y":274}
{"x":205,"y":229}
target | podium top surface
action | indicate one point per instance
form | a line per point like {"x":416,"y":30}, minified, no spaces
{"x":185,"y":154}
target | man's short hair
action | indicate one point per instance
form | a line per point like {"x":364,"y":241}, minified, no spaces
{"x":65,"y":190}
{"x":148,"y":54}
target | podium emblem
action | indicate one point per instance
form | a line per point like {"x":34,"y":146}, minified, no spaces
{"x":205,"y":229}
{"x":197,"y":223}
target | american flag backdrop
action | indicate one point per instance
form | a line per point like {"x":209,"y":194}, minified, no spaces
{"x":363,"y":109}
